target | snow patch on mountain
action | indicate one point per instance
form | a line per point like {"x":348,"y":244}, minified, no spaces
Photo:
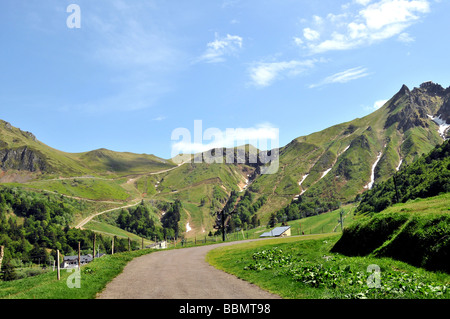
{"x":303,"y":179}
{"x":326,"y":172}
{"x":372,"y":177}
{"x":400,"y":164}
{"x":443,"y":126}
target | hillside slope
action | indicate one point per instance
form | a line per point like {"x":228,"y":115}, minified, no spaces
{"x":23,"y":157}
{"x":349,"y":158}
{"x":406,"y":217}
{"x":326,"y":168}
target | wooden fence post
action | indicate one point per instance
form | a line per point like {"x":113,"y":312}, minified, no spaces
{"x":1,"y":256}
{"x":129,"y":244}
{"x":79,"y":256}
{"x":57,"y":265}
{"x":112,"y":247}
{"x":94,"y":247}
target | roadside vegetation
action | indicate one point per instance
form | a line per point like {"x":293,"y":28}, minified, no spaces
{"x":92,"y":279}
{"x":304,"y":268}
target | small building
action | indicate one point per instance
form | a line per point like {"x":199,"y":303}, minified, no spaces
{"x":72,"y":261}
{"x":283,"y":231}
{"x":158,"y":245}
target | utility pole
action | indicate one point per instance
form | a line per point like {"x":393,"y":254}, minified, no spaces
{"x":396,"y":190}
{"x":57,"y":265}
{"x":1,"y":256}
{"x":223,"y":225}
{"x":79,"y":256}
{"x":341,"y":221}
{"x":94,"y":247}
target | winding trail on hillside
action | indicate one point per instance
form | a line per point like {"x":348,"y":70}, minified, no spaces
{"x":89,"y":218}
{"x":180,"y":274}
{"x":131,"y":180}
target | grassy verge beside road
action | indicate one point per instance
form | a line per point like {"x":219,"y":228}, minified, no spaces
{"x":93,"y":279}
{"x":304,"y":268}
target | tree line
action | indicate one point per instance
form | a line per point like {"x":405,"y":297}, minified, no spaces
{"x":33,"y":226}
{"x":142,"y":220}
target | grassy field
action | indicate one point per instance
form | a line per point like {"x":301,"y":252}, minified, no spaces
{"x":93,"y":189}
{"x":93,"y":279}
{"x":303,"y":268}
{"x":111,"y":231}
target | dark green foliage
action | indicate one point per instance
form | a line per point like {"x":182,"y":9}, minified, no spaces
{"x":138,"y":221}
{"x":245,"y":213}
{"x":44,"y":228}
{"x":306,"y":205}
{"x":240,"y":212}
{"x":364,"y":237}
{"x":422,"y":241}
{"x":428,"y":176}
{"x":344,"y":280}
{"x":171,"y":219}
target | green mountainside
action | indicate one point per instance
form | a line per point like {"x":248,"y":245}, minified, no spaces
{"x":322,"y":170}
{"x":407,"y":216}
{"x":20,"y":151}
{"x":345,"y":160}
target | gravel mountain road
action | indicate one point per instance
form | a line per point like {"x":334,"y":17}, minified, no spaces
{"x":179,"y":274}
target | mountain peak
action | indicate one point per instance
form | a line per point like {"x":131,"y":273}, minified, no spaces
{"x":404,"y":90}
{"x":432,"y":88}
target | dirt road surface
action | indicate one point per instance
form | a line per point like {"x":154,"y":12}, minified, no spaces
{"x":179,"y":274}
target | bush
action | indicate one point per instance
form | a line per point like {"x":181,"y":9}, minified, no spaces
{"x":420,"y":240}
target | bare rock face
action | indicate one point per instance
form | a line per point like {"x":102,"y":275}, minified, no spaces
{"x":444,"y":111}
{"x":418,"y":105}
{"x":21,"y":158}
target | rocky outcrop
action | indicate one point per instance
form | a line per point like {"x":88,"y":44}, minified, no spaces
{"x":417,"y":105}
{"x":444,"y":111}
{"x":22,"y":158}
{"x":410,"y":116}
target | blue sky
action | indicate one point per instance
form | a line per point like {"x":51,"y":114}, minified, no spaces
{"x":137,"y":70}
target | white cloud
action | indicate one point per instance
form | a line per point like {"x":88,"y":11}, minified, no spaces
{"x":343,"y":77}
{"x":265,"y":73}
{"x":379,"y":104}
{"x":376,"y":105}
{"x":215,"y":138}
{"x":221,"y":47}
{"x":310,"y":34}
{"x":405,"y":38}
{"x":375,"y":22}
{"x":362,"y":2}
{"x":298,"y":41}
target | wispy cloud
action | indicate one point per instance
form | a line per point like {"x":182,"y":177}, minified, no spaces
{"x":159,"y":118}
{"x":217,"y":50}
{"x":263,"y":74}
{"x":343,"y":77}
{"x":405,"y":38}
{"x":137,"y":64}
{"x":374,"y":22}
